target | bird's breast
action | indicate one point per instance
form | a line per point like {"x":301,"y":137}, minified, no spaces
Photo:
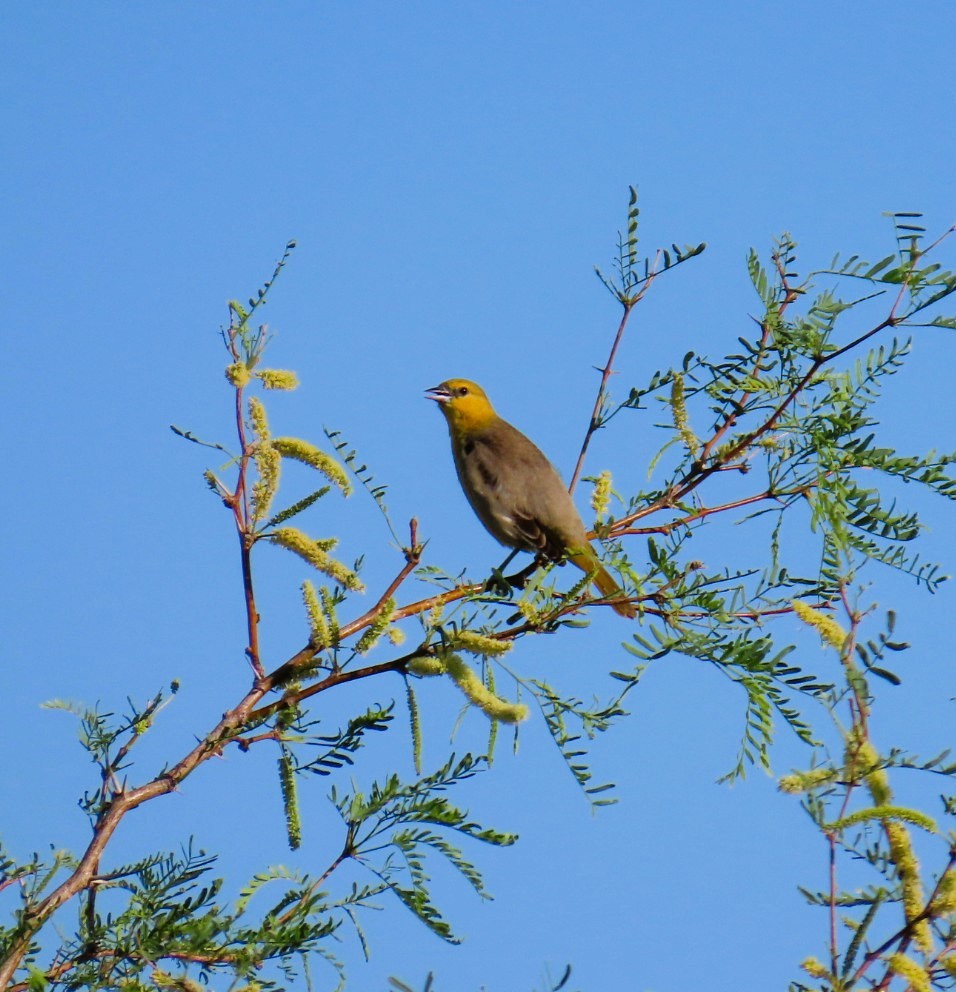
{"x":485,"y":478}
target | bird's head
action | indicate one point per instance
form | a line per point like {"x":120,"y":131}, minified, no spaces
{"x":464,"y":404}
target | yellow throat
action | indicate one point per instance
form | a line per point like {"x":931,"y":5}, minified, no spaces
{"x":465,"y":405}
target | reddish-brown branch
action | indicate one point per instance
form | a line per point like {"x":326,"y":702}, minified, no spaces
{"x":707,"y":511}
{"x":295,"y":696}
{"x":511,"y":633}
{"x":699,"y":472}
{"x":246,"y":742}
{"x":252,"y":612}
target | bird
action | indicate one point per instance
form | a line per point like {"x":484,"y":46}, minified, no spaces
{"x":514,"y":490}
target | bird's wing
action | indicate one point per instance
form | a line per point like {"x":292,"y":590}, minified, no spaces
{"x":523,"y":493}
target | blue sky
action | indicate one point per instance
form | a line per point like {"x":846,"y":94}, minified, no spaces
{"x":451,"y":172}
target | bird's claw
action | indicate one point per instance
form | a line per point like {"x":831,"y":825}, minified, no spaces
{"x":497,"y":583}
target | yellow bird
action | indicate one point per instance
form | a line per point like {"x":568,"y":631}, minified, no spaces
{"x":515,"y":491}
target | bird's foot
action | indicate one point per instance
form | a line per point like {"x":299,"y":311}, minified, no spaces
{"x":497,"y":583}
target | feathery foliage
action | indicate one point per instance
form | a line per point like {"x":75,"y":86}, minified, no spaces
{"x":773,"y":450}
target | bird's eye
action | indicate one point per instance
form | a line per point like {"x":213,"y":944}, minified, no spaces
{"x":462,"y":390}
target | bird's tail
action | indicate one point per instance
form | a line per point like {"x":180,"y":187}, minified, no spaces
{"x":603,"y":579}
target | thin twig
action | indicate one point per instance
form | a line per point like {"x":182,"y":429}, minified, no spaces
{"x":628,"y":302}
{"x":595,"y":420}
{"x":244,"y":526}
{"x":707,"y":511}
{"x":318,"y":883}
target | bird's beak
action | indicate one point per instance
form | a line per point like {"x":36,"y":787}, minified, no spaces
{"x":440,"y":394}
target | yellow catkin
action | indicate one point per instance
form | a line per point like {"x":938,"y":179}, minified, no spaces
{"x":278,"y":379}
{"x":944,"y":902}
{"x":814,"y":968}
{"x":679,"y":408}
{"x":328,"y":608}
{"x":477,"y":692}
{"x":480,"y":644}
{"x":164,"y":980}
{"x":878,"y":782}
{"x":319,"y":633}
{"x":861,"y":759}
{"x":601,"y":494}
{"x":468,"y":681}
{"x":907,"y":968}
{"x":415,"y":726}
{"x":369,"y":639}
{"x":214,"y":484}
{"x":798,"y":782}
{"x":315,"y":553}
{"x":290,"y":800}
{"x":395,"y":635}
{"x":907,"y":868}
{"x":425,"y":666}
{"x":899,"y":814}
{"x":435,"y":614}
{"x":828,"y":629}
{"x":258,"y":418}
{"x":307,"y":453}
{"x":238,"y":374}
{"x":489,"y":674}
{"x":269,"y":467}
{"x":529,"y":611}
